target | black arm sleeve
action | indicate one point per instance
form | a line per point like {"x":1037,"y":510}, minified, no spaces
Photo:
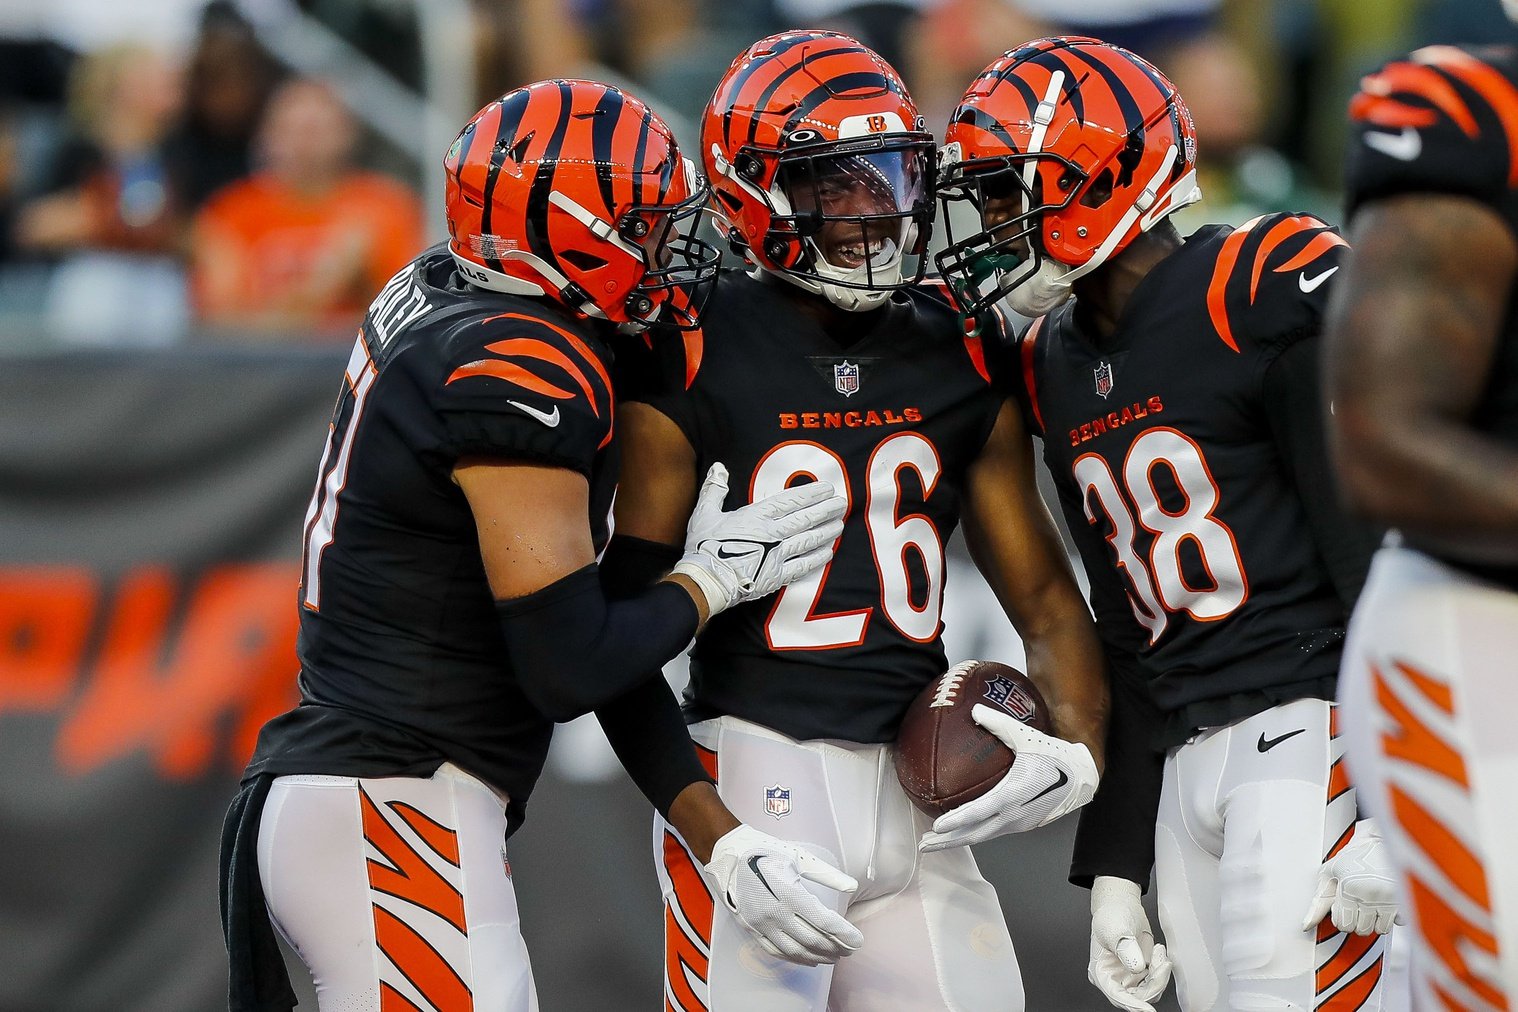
{"x":573,"y":650}
{"x":645,"y":726}
{"x":1115,"y":835}
{"x":631,"y":565}
{"x":1294,"y":401}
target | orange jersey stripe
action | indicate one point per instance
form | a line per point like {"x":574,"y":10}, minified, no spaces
{"x":1388,"y":112}
{"x":1282,"y":231}
{"x":1338,"y":779}
{"x":434,"y":834}
{"x":695,"y":347}
{"x":531,"y":348}
{"x":1429,"y":85}
{"x":1228,"y":258}
{"x":1439,"y":693}
{"x":1489,"y":83}
{"x":404,"y":873}
{"x":511,"y":373}
{"x":1320,"y":244}
{"x":421,"y":964}
{"x":708,"y":759}
{"x":1341,"y":842}
{"x":574,"y":342}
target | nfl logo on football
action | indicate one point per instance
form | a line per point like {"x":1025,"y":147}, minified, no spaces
{"x":777,"y":801}
{"x":846,"y":378}
{"x":1103,"y":374}
{"x":1005,"y":694}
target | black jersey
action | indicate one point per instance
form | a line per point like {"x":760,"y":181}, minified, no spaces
{"x":893,"y":420}
{"x":1445,"y":120}
{"x":402,"y":662}
{"x":1189,"y":521}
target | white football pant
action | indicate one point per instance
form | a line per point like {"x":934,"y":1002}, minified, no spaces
{"x":396,"y":893}
{"x":1247,"y":815}
{"x":934,"y":935}
{"x":1429,"y":692}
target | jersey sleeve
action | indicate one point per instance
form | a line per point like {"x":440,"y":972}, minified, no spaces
{"x":521,"y":388}
{"x":1443,"y":120}
{"x":1271,"y":281}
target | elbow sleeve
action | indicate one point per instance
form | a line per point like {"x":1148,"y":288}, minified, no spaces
{"x":573,"y":650}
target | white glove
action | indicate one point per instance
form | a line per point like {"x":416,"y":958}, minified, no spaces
{"x":1358,"y":885}
{"x":759,"y":548}
{"x":1126,"y":966}
{"x":759,"y":879}
{"x":1050,"y":777}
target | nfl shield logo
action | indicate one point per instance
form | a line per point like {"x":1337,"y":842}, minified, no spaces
{"x":1008,"y":695}
{"x":1103,"y":379}
{"x":777,"y":801}
{"x":846,"y":378}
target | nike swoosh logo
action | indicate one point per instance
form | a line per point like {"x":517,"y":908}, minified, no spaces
{"x":1064,"y":778}
{"x":548,"y":418}
{"x":1311,"y":284}
{"x":753,"y":866}
{"x":1266,"y":744}
{"x":723,"y":553}
{"x":1404,"y":146}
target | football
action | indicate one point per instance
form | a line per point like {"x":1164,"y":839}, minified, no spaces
{"x":944,"y":758}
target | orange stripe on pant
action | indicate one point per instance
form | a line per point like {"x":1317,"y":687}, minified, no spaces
{"x":421,"y":964}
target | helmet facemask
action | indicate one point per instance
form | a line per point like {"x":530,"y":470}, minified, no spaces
{"x":845,"y":215}
{"x":1007,"y":253}
{"x":680,"y":269}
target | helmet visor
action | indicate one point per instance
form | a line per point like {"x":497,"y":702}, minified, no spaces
{"x":861,"y":208}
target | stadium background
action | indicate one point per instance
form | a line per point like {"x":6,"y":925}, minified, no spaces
{"x":195,"y":202}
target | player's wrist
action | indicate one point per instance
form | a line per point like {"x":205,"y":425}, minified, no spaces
{"x":698,"y":595}
{"x":1110,"y":888}
{"x":701,"y":819}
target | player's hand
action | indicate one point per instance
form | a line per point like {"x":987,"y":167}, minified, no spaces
{"x":1357,"y":886}
{"x":1050,"y":777}
{"x":1126,"y":966}
{"x":756,"y":549}
{"x":759,"y":878}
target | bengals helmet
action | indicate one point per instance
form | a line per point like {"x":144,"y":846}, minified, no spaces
{"x":1068,"y":148}
{"x":821,"y":167}
{"x":575,"y":190}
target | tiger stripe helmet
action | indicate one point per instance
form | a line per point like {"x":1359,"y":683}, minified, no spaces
{"x":575,"y":190}
{"x":1094,"y":142}
{"x":798,"y":118}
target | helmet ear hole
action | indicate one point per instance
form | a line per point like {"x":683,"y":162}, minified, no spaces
{"x":1099,"y":192}
{"x":581,"y":260}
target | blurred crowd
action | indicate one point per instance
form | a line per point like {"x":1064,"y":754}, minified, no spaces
{"x":194,"y":186}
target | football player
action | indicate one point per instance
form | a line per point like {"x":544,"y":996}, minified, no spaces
{"x":1175,"y":385}
{"x":1423,"y":374}
{"x":824,"y":361}
{"x":451,"y":603}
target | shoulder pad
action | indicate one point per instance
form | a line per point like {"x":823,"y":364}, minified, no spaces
{"x":517,"y":363}
{"x":1443,"y":120}
{"x":1268,"y":277}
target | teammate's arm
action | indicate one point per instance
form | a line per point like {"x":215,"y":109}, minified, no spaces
{"x":1412,"y":331}
{"x":1014,"y":544}
{"x":1016,"y":547}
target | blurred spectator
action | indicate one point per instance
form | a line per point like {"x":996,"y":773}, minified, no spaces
{"x":1143,"y":26}
{"x":1240,"y":176}
{"x":955,"y":42}
{"x":880,"y":24}
{"x":9,"y":178}
{"x":108,"y":210}
{"x":297,"y":249}
{"x":228,"y":82}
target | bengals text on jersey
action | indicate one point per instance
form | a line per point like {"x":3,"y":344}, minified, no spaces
{"x":1162,"y":450}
